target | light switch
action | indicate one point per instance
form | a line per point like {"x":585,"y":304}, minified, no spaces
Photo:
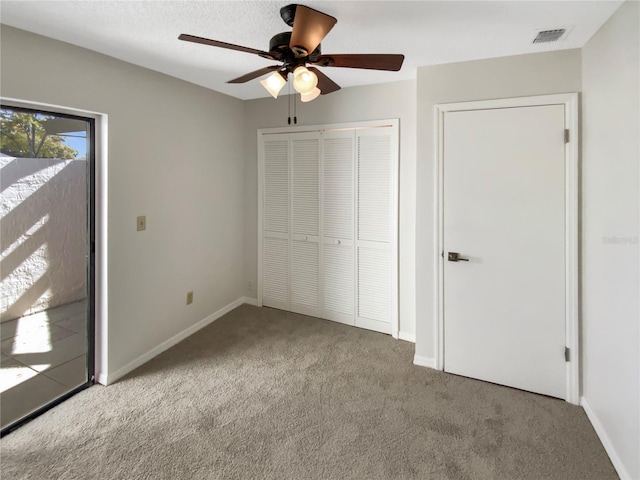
{"x":142,"y":223}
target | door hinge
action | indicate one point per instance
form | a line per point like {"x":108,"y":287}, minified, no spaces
{"x":566,"y":354}
{"x":566,"y":135}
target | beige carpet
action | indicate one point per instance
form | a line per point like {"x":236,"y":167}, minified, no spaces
{"x":264,"y":394}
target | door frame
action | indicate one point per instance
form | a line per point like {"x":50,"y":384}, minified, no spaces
{"x":100,"y":224}
{"x":96,"y":244}
{"x":571,"y":123}
{"x":395,"y":176}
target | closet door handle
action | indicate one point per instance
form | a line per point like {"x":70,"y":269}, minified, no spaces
{"x":455,"y":257}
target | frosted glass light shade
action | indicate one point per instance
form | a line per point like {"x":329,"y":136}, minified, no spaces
{"x":273,"y":84}
{"x":307,"y":97}
{"x":304,"y":81}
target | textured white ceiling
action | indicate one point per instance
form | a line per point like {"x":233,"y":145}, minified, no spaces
{"x":426,"y":32}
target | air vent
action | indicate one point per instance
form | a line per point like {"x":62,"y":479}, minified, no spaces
{"x":545,"y":36}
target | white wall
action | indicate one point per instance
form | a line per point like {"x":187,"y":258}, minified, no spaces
{"x":42,"y":234}
{"x":516,"y":76}
{"x":175,"y":155}
{"x":610,"y":259}
{"x":373,"y":102}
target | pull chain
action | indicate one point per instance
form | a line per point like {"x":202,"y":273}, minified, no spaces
{"x":295,"y":106}
{"x":289,"y":100}
{"x":295,"y":110}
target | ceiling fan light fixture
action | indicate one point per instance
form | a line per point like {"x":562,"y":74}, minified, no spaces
{"x":304,"y":81}
{"x":274,"y":83}
{"x":307,"y":97}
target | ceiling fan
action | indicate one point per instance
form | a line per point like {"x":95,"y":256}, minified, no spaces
{"x":299,"y":48}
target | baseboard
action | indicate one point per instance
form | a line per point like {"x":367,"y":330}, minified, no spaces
{"x":424,"y":361}
{"x":407,"y":337}
{"x":144,"y":358}
{"x":606,"y":441}
{"x":250,"y":301}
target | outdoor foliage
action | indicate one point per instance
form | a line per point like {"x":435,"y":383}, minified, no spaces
{"x":23,"y":135}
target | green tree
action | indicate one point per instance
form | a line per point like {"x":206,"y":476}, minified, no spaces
{"x":23,"y":135}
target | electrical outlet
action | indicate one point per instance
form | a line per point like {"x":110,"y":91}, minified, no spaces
{"x":141,"y":223}
{"x":250,"y":285}
{"x":189,"y":298}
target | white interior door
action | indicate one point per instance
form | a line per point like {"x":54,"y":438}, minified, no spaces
{"x":338,"y":226}
{"x":305,"y":223}
{"x":275,"y":223}
{"x":504,"y":305}
{"x":376,"y":230}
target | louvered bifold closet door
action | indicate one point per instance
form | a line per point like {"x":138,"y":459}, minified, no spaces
{"x":375,"y":172}
{"x":338,"y":274}
{"x":275,"y":223}
{"x":305,"y":223}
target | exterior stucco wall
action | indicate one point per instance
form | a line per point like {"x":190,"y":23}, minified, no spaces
{"x":42,"y":234}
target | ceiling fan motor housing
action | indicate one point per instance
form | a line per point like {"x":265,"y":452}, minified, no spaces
{"x":280,"y":43}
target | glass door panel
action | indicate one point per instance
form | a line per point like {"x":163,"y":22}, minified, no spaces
{"x":46,"y":274}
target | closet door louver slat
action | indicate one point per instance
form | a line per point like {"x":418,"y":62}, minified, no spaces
{"x":374,"y":188}
{"x":305,"y":159}
{"x":338,"y":283}
{"x":338,"y":187}
{"x":276,"y":186}
{"x":374,"y":284}
{"x":275,"y":272}
{"x":304,"y":275}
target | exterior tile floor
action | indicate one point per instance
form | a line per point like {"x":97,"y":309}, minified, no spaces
{"x":42,"y":356}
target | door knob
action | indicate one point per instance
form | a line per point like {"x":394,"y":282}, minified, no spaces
{"x":455,"y":257}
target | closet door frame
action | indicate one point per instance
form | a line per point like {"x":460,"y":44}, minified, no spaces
{"x":354,"y":126}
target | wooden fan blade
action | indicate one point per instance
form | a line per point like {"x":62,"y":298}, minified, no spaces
{"x":325,"y":84}
{"x":367,"y":61}
{"x":255,"y":74}
{"x":309,"y":28}
{"x":229,"y":46}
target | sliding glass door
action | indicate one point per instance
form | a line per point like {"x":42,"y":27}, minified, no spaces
{"x":46,"y":260}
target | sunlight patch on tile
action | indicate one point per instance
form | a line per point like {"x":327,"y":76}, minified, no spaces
{"x":33,"y":336}
{"x":14,"y":374}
